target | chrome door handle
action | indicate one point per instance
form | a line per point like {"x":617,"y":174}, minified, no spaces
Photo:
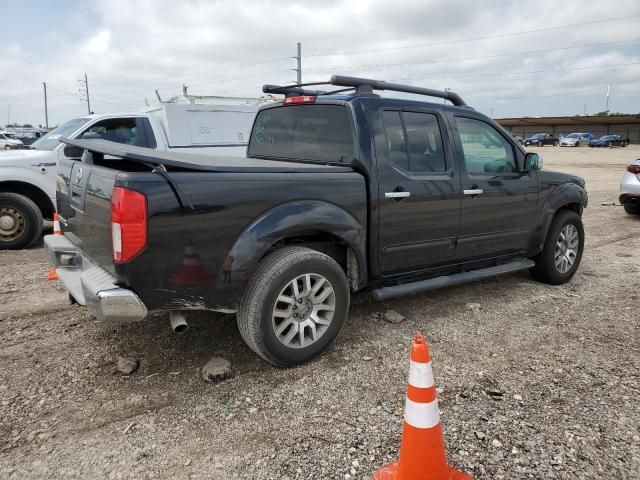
{"x":397,"y":194}
{"x":473,"y":191}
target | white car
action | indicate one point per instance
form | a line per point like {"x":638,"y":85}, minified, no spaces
{"x":8,"y":141}
{"x":576,"y":139}
{"x":630,"y":188}
{"x":28,"y":177}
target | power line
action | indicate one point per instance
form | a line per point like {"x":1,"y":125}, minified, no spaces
{"x":465,"y":40}
{"x":462,"y":59}
{"x":504,"y":74}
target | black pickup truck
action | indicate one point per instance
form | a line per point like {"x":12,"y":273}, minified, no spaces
{"x":341,"y":190}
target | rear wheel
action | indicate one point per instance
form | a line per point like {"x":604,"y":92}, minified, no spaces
{"x":540,"y":144}
{"x":562,"y":250}
{"x":609,"y":144}
{"x":294,"y":307}
{"x":20,"y":221}
{"x":577,"y":144}
{"x":7,"y":147}
{"x":632,"y":209}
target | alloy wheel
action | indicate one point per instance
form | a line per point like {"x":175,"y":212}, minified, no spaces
{"x":303,"y":310}
{"x":567,"y":248}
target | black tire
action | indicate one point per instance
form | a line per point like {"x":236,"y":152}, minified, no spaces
{"x":540,"y":144}
{"x":556,"y":144}
{"x":632,"y":209}
{"x":545,"y":269}
{"x":275,"y":272}
{"x":577,"y":144}
{"x":610,"y":145}
{"x":26,"y":218}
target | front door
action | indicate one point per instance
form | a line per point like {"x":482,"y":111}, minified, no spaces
{"x":418,"y":192}
{"x":499,"y":200}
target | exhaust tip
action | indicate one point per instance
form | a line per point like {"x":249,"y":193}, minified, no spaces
{"x":178,"y":323}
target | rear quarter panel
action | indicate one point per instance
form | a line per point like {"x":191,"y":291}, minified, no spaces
{"x":190,"y":261}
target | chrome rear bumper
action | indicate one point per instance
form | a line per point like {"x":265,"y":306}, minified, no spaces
{"x":91,"y":285}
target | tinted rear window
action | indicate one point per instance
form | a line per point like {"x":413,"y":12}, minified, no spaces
{"x":319,"y":133}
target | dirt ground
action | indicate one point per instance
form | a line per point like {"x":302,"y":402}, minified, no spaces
{"x":534,"y":381}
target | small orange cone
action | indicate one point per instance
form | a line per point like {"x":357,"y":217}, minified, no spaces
{"x":56,"y":224}
{"x":192,"y":272}
{"x":422,"y":453}
{"x":52,"y":275}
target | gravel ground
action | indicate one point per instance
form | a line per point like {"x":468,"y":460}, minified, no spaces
{"x":534,"y":381}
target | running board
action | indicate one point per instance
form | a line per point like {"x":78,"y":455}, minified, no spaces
{"x":405,"y":289}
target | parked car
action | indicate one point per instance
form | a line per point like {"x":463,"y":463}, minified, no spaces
{"x":609,"y":141}
{"x":339,"y":192}
{"x":576,"y":139}
{"x":630,"y":188}
{"x":542,"y":139}
{"x":8,"y":141}
{"x":28,"y":177}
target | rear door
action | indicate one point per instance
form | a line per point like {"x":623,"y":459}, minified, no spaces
{"x":418,"y":191}
{"x":499,"y":201}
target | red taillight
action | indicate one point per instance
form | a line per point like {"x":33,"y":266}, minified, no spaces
{"x":299,"y":99}
{"x":634,"y":168}
{"x":128,"y":223}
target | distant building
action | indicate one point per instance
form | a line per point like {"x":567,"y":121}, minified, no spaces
{"x":625,"y":125}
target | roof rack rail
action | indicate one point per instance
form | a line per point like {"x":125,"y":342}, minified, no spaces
{"x":361,"y":85}
{"x":367,"y":85}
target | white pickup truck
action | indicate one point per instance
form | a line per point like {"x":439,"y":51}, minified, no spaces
{"x":28,"y":177}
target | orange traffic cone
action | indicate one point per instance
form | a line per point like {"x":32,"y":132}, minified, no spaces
{"x":56,"y":224}
{"x":192,"y":272}
{"x":52,"y":275}
{"x":422,"y":453}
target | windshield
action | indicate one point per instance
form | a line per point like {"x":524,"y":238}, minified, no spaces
{"x":608,"y":137}
{"x":573,"y":135}
{"x":51,"y":140}
{"x":9,"y":135}
{"x":320,"y":133}
{"x":538,"y":135}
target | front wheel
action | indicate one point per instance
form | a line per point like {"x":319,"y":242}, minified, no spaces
{"x":562,"y":250}
{"x":20,"y":221}
{"x":7,"y":147}
{"x":556,"y":144}
{"x":540,"y":144}
{"x":294,"y":306}
{"x":577,"y":144}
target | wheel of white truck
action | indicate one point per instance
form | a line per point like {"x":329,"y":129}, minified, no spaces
{"x":294,"y":307}
{"x":20,"y":221}
{"x":562,"y":251}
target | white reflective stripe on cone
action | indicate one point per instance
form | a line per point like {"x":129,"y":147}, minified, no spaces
{"x":421,"y":415}
{"x":420,"y":374}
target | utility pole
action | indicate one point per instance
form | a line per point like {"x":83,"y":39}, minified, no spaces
{"x":9,"y":116}
{"x":607,"y":107}
{"x":46,"y":111}
{"x":85,"y":92}
{"x":585,"y":109}
{"x":299,"y":63}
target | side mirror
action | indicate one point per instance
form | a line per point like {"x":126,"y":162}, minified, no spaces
{"x":533,"y":161}
{"x":71,"y":151}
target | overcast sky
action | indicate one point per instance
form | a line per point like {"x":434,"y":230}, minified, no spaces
{"x":515,"y":58}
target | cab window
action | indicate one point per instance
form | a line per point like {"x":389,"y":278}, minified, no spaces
{"x":130,"y":131}
{"x":485,"y":149}
{"x":414,"y":142}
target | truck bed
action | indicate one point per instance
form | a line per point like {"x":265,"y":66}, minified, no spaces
{"x":208,"y":163}
{"x":199,"y":251}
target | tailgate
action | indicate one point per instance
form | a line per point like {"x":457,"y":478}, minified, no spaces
{"x":84,"y":205}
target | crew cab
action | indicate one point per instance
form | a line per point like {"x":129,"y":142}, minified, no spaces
{"x":542,"y":139}
{"x":340,"y":191}
{"x":28,"y":177}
